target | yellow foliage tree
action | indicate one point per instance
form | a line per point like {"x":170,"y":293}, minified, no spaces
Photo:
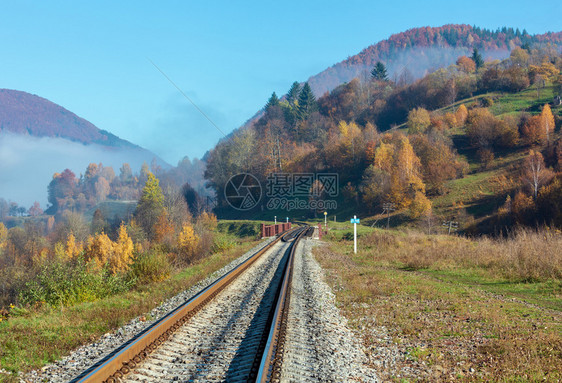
{"x":406,"y":177}
{"x":547,"y":121}
{"x":349,"y":137}
{"x":187,"y":240}
{"x":3,"y":236}
{"x":420,"y":205}
{"x":461,"y":114}
{"x":384,"y":157}
{"x":418,"y":120}
{"x":73,"y":249}
{"x":122,"y":255}
{"x":99,"y":250}
{"x":209,"y":220}
{"x":400,"y":162}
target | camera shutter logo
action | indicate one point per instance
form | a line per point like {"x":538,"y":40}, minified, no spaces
{"x":243,"y":191}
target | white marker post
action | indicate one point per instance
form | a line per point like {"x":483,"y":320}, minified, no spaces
{"x":355,"y":221}
{"x":287,"y":219}
{"x":275,"y":219}
{"x":326,"y":222}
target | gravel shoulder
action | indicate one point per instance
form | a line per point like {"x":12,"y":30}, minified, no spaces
{"x":319,"y":345}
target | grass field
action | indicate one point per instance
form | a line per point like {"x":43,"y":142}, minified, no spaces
{"x":454,"y":308}
{"x":32,"y":338}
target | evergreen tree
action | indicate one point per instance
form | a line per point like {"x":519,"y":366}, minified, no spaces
{"x":477,"y":58}
{"x":273,"y":101}
{"x":379,"y":72}
{"x":293,"y":93}
{"x":307,"y":102}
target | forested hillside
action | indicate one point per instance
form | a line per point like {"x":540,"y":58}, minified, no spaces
{"x":478,"y":140}
{"x":416,"y":52}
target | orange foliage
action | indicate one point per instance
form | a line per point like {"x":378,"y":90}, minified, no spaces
{"x":532,"y":131}
{"x":466,"y":64}
{"x":163,"y":229}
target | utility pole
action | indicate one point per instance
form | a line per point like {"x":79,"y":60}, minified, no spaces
{"x":387,"y":208}
{"x":451,"y":225}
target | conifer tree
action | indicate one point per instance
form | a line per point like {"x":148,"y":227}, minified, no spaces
{"x":293,"y":93}
{"x":273,"y":101}
{"x":379,"y":72}
{"x":477,"y":58}
{"x":307,"y":102}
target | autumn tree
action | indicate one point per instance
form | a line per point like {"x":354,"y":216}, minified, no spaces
{"x":125,"y":173}
{"x":540,"y":74}
{"x":439,"y":162}
{"x":547,"y":121}
{"x":98,"y":250}
{"x":143,"y":176}
{"x":151,"y":205}
{"x":379,"y":72}
{"x":122,"y":251}
{"x":519,"y":57}
{"x":396,"y":160}
{"x":535,"y":173}
{"x":102,"y":189}
{"x":3,"y":237}
{"x":61,"y":190}
{"x":532,"y":131}
{"x":418,"y":120}
{"x":187,"y":242}
{"x":466,"y":64}
{"x":35,"y":209}
{"x":461,"y":114}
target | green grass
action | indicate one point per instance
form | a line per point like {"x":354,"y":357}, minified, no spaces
{"x":526,"y":100}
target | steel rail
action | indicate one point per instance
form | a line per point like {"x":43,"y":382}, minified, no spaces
{"x":125,"y":357}
{"x":270,"y":364}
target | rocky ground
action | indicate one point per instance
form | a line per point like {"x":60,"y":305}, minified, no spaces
{"x":319,"y":345}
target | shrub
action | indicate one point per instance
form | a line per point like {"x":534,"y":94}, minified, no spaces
{"x":149,"y":267}
{"x":65,"y":284}
{"x":222,"y":243}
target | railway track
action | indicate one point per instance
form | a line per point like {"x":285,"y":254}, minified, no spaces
{"x":233,"y":330}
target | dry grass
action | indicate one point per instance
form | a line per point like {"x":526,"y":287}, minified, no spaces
{"x":526,"y":256}
{"x":456,"y":309}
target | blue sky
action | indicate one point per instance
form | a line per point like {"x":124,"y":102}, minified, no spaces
{"x":92,"y":57}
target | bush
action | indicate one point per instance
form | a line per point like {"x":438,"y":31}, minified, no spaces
{"x":149,"y":267}
{"x":65,"y":284}
{"x":222,"y":243}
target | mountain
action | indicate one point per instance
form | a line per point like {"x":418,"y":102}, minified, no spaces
{"x":39,"y":138}
{"x":28,"y":114}
{"x":418,"y":51}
